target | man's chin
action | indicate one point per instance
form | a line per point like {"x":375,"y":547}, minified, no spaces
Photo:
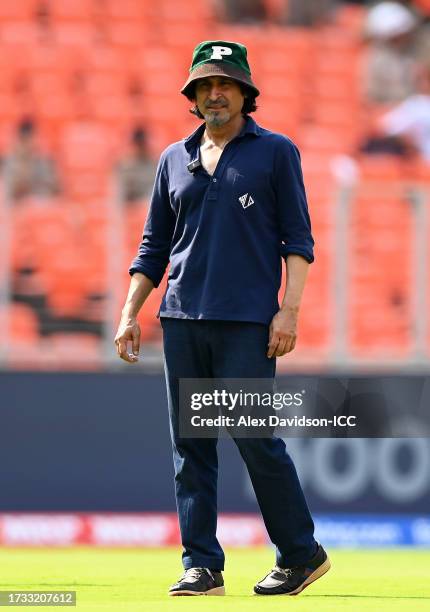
{"x":217,"y":118}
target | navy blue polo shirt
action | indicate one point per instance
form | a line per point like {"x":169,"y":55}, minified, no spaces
{"x":224,"y":235}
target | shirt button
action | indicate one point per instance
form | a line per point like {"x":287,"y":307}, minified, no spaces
{"x":214,"y":180}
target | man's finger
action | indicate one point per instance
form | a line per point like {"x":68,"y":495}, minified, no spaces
{"x":270,"y":335}
{"x":128,"y":357}
{"x":281,"y":348}
{"x":293,"y":344}
{"x":290,"y":344}
{"x":118,"y":347}
{"x":122,"y":350}
{"x":273,"y":344}
{"x":136,"y":343}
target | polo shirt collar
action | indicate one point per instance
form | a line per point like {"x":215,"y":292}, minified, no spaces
{"x":249,"y":127}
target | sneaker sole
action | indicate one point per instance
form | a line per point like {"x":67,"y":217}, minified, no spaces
{"x":320,"y":571}
{"x":215,"y":591}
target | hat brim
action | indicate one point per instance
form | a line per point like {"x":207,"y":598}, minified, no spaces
{"x":218,"y":69}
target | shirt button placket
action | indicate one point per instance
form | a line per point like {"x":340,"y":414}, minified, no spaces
{"x":213,"y":190}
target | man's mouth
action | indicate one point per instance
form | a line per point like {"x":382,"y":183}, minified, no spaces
{"x":217,"y":107}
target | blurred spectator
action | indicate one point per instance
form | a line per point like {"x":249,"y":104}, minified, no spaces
{"x":391,"y":28}
{"x":309,"y":13}
{"x":136,"y":172}
{"x":243,"y":11}
{"x":410,"y":120}
{"x":43,"y":17}
{"x":405,"y":130}
{"x":100,"y":22}
{"x":26,"y":171}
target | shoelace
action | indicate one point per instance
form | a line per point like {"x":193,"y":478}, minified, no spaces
{"x":286,"y":571}
{"x":193,"y":572}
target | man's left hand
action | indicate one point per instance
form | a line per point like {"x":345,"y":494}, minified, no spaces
{"x":282,"y":333}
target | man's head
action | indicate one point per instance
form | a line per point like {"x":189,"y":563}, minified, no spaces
{"x":218,"y":99}
{"x":220,"y":82}
{"x":138,"y":140}
{"x":26,"y":128}
{"x":25,"y":135}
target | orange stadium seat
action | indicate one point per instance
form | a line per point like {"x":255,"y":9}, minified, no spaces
{"x":127,"y":33}
{"x":74,"y":10}
{"x":135,"y":218}
{"x":66,"y":283}
{"x":187,"y":10}
{"x":87,"y":145}
{"x":73,"y":351}
{"x":344,"y":65}
{"x":21,"y":33}
{"x":320,"y":139}
{"x":351,"y":17}
{"x":335,"y":113}
{"x":38,"y":226}
{"x":280,"y":114}
{"x":131,"y":9}
{"x":49,"y":57}
{"x":52,"y":99}
{"x":380,"y":167}
{"x":20,"y":325}
{"x":24,"y":9}
{"x":9,"y":112}
{"x":76,"y":33}
{"x":380,"y":273}
{"x":335,"y":88}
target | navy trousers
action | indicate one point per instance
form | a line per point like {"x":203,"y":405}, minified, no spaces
{"x":229,"y":349}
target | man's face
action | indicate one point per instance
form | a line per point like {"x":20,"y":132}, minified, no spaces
{"x":219,"y":99}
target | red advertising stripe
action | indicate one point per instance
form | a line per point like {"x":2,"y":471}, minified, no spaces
{"x":118,"y":529}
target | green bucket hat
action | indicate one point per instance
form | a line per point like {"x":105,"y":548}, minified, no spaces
{"x":219,"y":58}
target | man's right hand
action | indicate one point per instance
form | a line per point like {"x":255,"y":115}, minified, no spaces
{"x":128,"y":331}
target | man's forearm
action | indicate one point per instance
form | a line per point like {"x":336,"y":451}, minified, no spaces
{"x":140,"y":287}
{"x":297,"y":271}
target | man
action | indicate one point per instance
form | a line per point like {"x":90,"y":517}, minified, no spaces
{"x":26,"y":170}
{"x":228,"y":202}
{"x":136,"y":171}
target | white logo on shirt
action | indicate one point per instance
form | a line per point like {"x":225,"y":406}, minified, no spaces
{"x":246,"y":200}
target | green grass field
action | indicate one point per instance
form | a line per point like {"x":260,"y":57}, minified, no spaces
{"x":133,"y":580}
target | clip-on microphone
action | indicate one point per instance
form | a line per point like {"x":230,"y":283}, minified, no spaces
{"x":194,"y":164}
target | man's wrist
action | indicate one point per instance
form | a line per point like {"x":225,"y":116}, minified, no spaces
{"x":128,"y":316}
{"x":290,"y":308}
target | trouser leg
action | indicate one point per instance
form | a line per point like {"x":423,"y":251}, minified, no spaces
{"x":239,"y":351}
{"x":187,"y":355}
{"x":280,"y":497}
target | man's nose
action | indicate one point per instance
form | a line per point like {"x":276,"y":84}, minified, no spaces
{"x":214,"y":93}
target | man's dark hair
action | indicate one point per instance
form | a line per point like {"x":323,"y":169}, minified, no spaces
{"x":249,"y":104}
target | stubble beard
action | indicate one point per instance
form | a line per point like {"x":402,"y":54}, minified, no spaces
{"x":216,"y":119}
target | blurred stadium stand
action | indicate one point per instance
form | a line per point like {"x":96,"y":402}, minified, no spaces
{"x":88,"y":71}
